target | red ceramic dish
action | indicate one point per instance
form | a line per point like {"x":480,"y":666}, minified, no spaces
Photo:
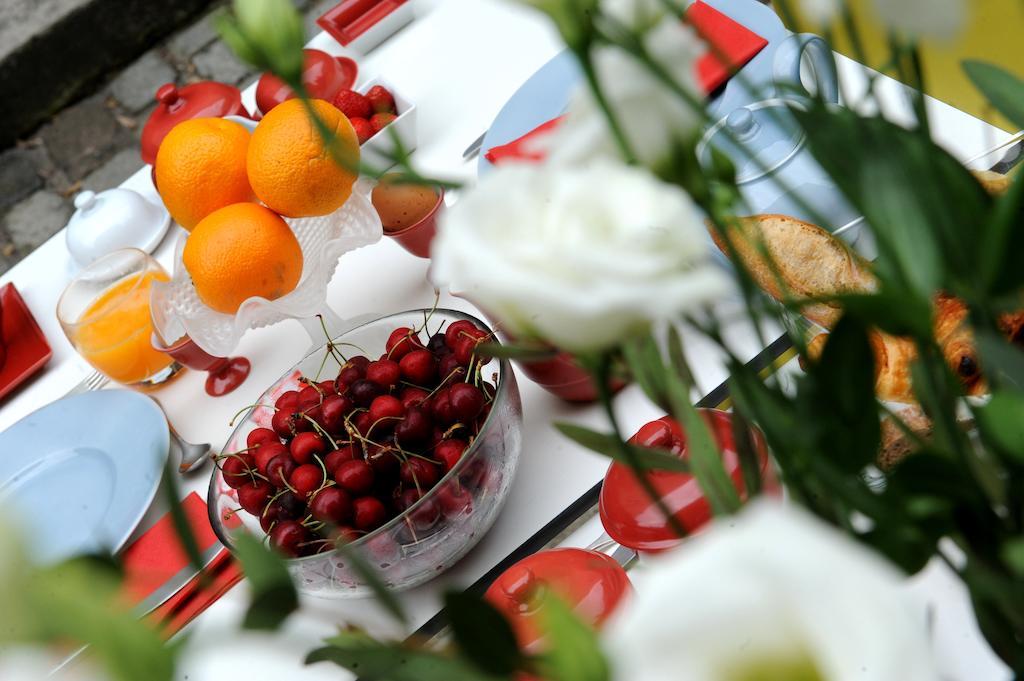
{"x":206,"y":99}
{"x":352,"y":18}
{"x":563,"y":377}
{"x":26,"y":346}
{"x":322,"y":74}
{"x":417,"y":237}
{"x":591,"y":583}
{"x":630,"y":516}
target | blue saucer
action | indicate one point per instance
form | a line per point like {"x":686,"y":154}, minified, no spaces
{"x":77,"y":475}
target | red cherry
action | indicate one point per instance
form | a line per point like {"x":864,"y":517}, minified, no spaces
{"x":332,"y":413}
{"x":364,"y":392}
{"x":307,"y":445}
{"x":425,"y":516}
{"x":327,"y":387}
{"x":454,"y":499}
{"x":363,"y":422}
{"x":419,"y":367}
{"x":418,"y":473}
{"x":414,"y":429}
{"x":343,"y":453}
{"x":237,"y":468}
{"x":412,"y":396}
{"x":266,"y":452}
{"x":353,"y":370}
{"x":287,"y":400}
{"x":385,"y":411}
{"x":306,"y":479}
{"x":253,"y":496}
{"x":465,"y":348}
{"x":331,"y":505}
{"x":384,"y":372}
{"x":309,"y":397}
{"x":449,"y":370}
{"x":453,"y":334}
{"x":280,"y":470}
{"x":287,"y":536}
{"x":281,"y":422}
{"x":384,"y":462}
{"x":287,"y":506}
{"x":467,"y":402}
{"x":369,"y":513}
{"x":355,"y":476}
{"x":258,"y":436}
{"x":449,"y":452}
{"x":401,"y":342}
{"x":441,"y":408}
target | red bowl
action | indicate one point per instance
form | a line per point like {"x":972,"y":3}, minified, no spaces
{"x":417,"y":237}
{"x":322,"y":74}
{"x":634,"y":520}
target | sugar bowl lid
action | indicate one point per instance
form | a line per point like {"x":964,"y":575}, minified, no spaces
{"x":114,"y":219}
{"x":758,"y":138}
{"x":205,"y":99}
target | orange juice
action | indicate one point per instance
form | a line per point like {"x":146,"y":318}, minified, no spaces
{"x":113,"y":334}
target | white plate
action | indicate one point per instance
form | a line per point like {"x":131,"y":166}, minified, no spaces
{"x":77,"y":476}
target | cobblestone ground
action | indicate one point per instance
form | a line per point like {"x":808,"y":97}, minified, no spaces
{"x":94,"y":143}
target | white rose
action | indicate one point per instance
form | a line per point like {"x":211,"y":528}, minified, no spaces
{"x":771,"y":594}
{"x":940,"y":19}
{"x":653,"y":118}
{"x":580,"y":257}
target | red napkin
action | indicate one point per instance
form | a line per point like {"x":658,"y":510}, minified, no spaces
{"x":157,"y":556}
{"x":732,"y":46}
{"x":516,"y":149}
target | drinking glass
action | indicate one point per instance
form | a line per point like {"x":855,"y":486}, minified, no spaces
{"x":105,"y":314}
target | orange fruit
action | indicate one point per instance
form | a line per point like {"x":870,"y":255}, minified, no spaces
{"x":290,"y":167}
{"x":240,"y":251}
{"x":201,"y":166}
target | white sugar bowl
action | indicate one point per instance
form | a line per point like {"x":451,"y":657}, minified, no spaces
{"x":113,"y":219}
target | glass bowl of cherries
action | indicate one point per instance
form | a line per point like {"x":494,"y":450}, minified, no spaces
{"x":399,"y":438}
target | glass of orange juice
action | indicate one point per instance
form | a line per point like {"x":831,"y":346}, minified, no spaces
{"x":105,"y":314}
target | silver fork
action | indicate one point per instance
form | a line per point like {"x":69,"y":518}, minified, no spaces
{"x":93,"y":381}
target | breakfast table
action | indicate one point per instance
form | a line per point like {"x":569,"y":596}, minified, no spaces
{"x":458,"y":61}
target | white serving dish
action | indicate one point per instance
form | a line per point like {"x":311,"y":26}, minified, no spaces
{"x":377,"y":151}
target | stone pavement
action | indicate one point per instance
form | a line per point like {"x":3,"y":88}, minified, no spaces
{"x":94,"y":143}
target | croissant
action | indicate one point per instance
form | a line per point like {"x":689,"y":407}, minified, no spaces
{"x":808,"y":262}
{"x":893,"y":357}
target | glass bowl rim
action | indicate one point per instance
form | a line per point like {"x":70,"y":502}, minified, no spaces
{"x":505,"y":372}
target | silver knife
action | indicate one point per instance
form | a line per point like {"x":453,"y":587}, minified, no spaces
{"x":474,"y":148}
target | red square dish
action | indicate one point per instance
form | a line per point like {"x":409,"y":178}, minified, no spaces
{"x":27,"y":349}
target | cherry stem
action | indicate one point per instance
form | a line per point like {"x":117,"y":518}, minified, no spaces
{"x":249,"y":406}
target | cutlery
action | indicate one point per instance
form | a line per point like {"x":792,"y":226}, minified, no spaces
{"x":191,"y":456}
{"x":93,"y":381}
{"x":474,"y":148}
{"x":177,"y":581}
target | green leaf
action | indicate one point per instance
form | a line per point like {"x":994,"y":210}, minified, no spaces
{"x":372,"y":661}
{"x":275,"y":28}
{"x":573,"y":652}
{"x":645,"y":364}
{"x":610,"y":446}
{"x":182,"y":528}
{"x":1002,"y":360}
{"x":1012,"y":553}
{"x":1002,"y":420}
{"x":927,"y":238}
{"x":1003,"y":90}
{"x":1002,"y":243}
{"x":704,"y":456}
{"x":273,"y":594}
{"x":368,"y":574}
{"x":750,"y":463}
{"x":677,"y":358}
{"x":895,"y":312}
{"x":482,"y":633}
{"x":77,"y":602}
{"x":845,"y":418}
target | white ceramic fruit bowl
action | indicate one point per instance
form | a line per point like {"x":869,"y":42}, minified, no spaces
{"x":177,"y":309}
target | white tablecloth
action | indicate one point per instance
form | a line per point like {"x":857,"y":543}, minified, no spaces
{"x":459,"y":62}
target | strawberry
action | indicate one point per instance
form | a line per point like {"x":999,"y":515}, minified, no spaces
{"x":379,"y":121}
{"x":364,"y":130}
{"x":353,"y":104}
{"x":381,"y":100}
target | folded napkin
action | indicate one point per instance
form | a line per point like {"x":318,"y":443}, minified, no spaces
{"x":731,"y":46}
{"x":157,"y":557}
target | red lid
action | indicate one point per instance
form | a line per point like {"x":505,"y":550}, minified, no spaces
{"x":630,"y":516}
{"x":591,"y":583}
{"x":206,"y":99}
{"x":322,"y":74}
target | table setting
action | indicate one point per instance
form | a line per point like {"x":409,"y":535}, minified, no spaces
{"x":485,"y":339}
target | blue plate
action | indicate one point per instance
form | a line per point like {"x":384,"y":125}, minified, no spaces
{"x":543,"y":97}
{"x":79,"y":474}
